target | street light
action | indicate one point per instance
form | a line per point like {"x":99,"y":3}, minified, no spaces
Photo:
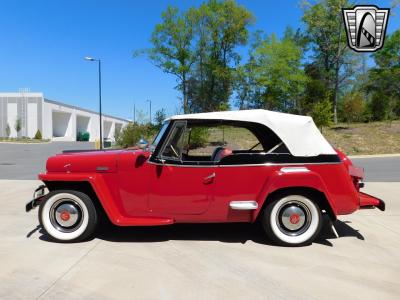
{"x":150,"y":108}
{"x":88,"y":58}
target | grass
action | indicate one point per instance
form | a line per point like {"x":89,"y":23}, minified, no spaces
{"x":23,"y":140}
{"x":365,"y":138}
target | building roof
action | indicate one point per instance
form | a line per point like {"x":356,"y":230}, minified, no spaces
{"x":298,"y":133}
{"x":83,"y":109}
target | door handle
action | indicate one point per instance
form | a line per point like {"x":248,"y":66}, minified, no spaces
{"x":209,"y":179}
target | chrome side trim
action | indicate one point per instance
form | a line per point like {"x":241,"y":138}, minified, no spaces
{"x":294,"y":170}
{"x":243,"y":205}
{"x":101,"y":168}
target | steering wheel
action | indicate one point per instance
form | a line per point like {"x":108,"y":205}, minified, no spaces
{"x":215,"y":152}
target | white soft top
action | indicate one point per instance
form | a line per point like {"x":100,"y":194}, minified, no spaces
{"x":298,"y":133}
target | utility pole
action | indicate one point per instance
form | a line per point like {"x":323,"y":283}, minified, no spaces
{"x":150,"y":110}
{"x":88,"y":58}
{"x":134,"y":113}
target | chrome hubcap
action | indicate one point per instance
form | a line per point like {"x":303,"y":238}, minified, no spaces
{"x":66,"y":215}
{"x":293,"y":218}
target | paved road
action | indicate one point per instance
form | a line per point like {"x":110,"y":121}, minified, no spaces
{"x":380,"y":169}
{"x":25,"y":161}
{"x":223,"y":261}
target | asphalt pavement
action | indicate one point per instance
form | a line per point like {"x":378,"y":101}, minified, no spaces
{"x":380,"y":169}
{"x":199,"y":261}
{"x":25,"y":161}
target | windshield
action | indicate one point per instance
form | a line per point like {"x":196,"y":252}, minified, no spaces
{"x":159,"y":136}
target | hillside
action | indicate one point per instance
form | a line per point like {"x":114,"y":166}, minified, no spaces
{"x":365,"y":138}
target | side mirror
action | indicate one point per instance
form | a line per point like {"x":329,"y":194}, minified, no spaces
{"x":142,"y":144}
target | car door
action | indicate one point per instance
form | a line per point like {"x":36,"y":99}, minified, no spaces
{"x":177,"y":188}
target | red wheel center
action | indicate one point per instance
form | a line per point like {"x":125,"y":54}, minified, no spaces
{"x":294,"y":218}
{"x":65,"y":215}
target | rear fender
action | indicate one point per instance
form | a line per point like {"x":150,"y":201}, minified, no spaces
{"x":293,"y":177}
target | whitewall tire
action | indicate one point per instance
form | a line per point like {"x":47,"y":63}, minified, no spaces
{"x":292,"y":220}
{"x":68,"y":216}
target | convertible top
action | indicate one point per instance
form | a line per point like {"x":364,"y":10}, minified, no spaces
{"x":298,"y":133}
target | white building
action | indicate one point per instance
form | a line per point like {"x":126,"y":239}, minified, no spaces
{"x":55,"y":120}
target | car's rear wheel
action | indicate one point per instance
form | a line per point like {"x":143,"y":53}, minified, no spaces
{"x":68,"y":216}
{"x":292,"y":220}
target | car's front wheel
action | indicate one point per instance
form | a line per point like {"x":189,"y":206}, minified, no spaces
{"x":292,"y":220}
{"x":68,"y":216}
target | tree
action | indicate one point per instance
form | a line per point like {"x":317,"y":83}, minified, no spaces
{"x":221,"y":26}
{"x":38,"y":135}
{"x":8,"y":130}
{"x":132,"y":133}
{"x":172,"y":49}
{"x":160,"y":116}
{"x":18,"y":125}
{"x":353,"y":107}
{"x":326,"y":33}
{"x":322,"y":113}
{"x":273,"y":78}
{"x":198,"y":47}
{"x":382,"y":85}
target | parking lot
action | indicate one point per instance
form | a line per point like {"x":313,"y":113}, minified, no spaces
{"x":229,"y":261}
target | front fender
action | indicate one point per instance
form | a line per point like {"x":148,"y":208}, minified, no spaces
{"x":99,"y":187}
{"x":293,"y":178}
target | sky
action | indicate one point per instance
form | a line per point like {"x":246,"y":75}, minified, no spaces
{"x":43,"y":43}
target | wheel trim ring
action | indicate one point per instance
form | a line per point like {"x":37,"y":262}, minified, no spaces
{"x":307,"y":215}
{"x":58,"y":225}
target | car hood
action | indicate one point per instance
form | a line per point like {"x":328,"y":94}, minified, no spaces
{"x":103,"y":161}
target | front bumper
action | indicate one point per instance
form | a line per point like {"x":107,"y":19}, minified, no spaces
{"x":38,"y":196}
{"x":368,"y":201}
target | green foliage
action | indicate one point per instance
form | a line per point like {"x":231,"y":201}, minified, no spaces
{"x":8,"y":130}
{"x":83,"y":136}
{"x":322,"y":113}
{"x":383,"y":85}
{"x":159,"y":117}
{"x":198,"y":47}
{"x":273,"y":78}
{"x":132,"y":133}
{"x":198,"y":137}
{"x":327,"y":37}
{"x":353,"y":107}
{"x":38,"y":135}
{"x":18,"y":125}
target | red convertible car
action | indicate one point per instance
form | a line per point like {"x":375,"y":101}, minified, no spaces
{"x":235,"y":166}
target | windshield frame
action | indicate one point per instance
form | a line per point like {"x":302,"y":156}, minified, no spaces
{"x":159,"y":136}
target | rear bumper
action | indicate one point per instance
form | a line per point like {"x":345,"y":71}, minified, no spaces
{"x":368,"y":201}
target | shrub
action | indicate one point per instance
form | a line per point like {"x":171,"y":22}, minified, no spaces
{"x":18,"y":125}
{"x":8,"y":130}
{"x":132,"y":133}
{"x":198,"y":137}
{"x":38,"y":135}
{"x":322,"y":113}
{"x":353,"y":107}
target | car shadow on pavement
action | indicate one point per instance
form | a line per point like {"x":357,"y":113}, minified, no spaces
{"x":226,"y":233}
{"x":222,"y":232}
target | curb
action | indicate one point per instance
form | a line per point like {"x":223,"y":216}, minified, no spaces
{"x":375,"y":155}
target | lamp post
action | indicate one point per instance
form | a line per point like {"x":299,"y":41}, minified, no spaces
{"x":88,"y":58}
{"x":150,"y":108}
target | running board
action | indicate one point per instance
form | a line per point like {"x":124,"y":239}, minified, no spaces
{"x":243,"y":205}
